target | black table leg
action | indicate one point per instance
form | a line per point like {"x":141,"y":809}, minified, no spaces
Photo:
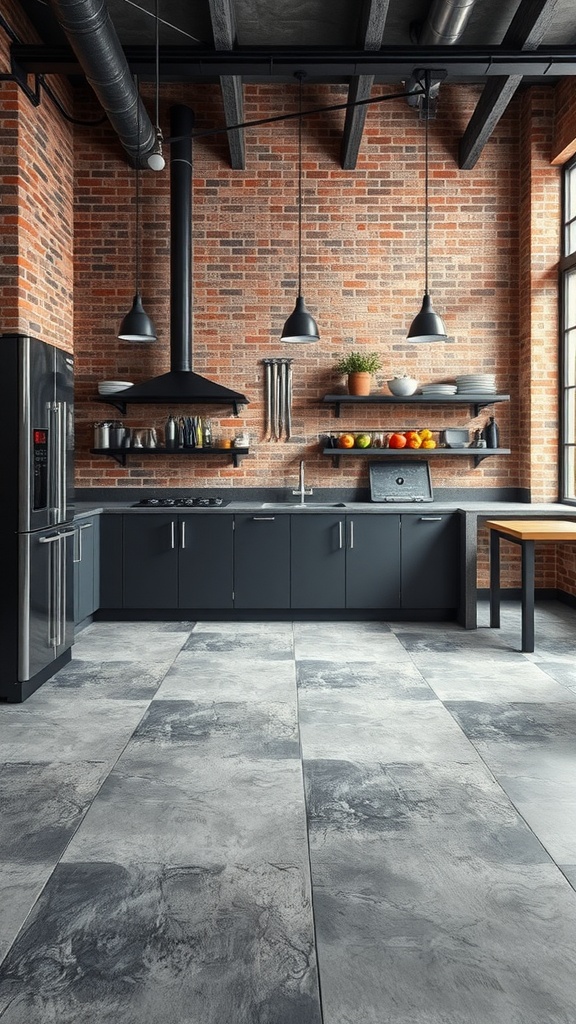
{"x":527,"y":595}
{"x":494,"y":578}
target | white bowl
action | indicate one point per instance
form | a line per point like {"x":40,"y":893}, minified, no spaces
{"x":402,"y":386}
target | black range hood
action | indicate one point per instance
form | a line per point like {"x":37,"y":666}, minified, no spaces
{"x":181,"y":384}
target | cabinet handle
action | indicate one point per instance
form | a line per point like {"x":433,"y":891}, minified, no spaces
{"x":340,"y":534}
{"x":182,"y":534}
{"x":263,"y":519}
{"x":351,"y":534}
{"x":172,"y":534}
{"x":430,"y":519}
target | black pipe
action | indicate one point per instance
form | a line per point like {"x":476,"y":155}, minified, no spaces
{"x":181,"y":127}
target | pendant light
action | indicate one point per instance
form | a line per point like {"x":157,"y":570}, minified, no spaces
{"x":427,"y":325}
{"x":137,"y":325}
{"x":300,"y":326}
{"x":156,"y":159}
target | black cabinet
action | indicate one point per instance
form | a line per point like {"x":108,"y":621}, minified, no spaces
{"x":262,"y":561}
{"x":430,"y":556}
{"x":111,"y":562}
{"x":345,"y":561}
{"x":318,"y":562}
{"x":150,"y":561}
{"x":372,"y":561}
{"x":205,"y":561}
{"x":176,"y":561}
{"x":86,"y":568}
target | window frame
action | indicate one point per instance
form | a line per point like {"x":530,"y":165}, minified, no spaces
{"x":567,"y":391}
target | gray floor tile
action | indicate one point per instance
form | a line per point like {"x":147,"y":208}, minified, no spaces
{"x":68,"y":731}
{"x":206,"y":676}
{"x":549,"y":807}
{"x":485,"y":681}
{"x":350,"y":646}
{"x":241,"y":645}
{"x":126,"y":644}
{"x":164,"y":945}
{"x":386,"y":681}
{"x":116,"y":680}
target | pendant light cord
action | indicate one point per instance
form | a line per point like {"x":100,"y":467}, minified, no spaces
{"x":300,"y":77}
{"x":426,"y":202}
{"x":138,"y":193}
{"x":157,"y":42}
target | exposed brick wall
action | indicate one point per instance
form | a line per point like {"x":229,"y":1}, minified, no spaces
{"x":363,"y":270}
{"x":36,"y":219}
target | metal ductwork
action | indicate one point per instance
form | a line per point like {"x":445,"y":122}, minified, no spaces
{"x":181,"y":384}
{"x":93,"y":38}
{"x":444,"y":25}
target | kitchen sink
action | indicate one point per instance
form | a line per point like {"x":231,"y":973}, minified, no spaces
{"x":299,"y":505}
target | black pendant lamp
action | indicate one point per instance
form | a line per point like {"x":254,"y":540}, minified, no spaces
{"x":427,"y":325}
{"x":300,"y":327}
{"x":137,"y":325}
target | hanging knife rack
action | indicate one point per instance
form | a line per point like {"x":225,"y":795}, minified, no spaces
{"x":278,"y":399}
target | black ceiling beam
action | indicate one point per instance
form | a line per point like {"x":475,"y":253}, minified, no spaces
{"x":375,"y":13}
{"x":224,"y":32}
{"x":526,"y":31}
{"x":390,"y":63}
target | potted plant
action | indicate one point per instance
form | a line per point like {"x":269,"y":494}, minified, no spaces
{"x":359,"y":366}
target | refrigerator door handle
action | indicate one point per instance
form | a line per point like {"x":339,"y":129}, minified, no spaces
{"x":60,"y":463}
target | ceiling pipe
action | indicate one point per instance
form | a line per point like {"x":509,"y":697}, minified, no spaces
{"x":444,"y":25}
{"x":93,"y":38}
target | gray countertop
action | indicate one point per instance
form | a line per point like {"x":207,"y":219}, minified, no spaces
{"x":479,"y":508}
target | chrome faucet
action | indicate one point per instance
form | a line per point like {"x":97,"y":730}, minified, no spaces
{"x":302,"y":490}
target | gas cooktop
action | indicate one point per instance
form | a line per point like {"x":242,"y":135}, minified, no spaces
{"x":198,"y":502}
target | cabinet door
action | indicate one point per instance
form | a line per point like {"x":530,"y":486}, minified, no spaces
{"x":262,"y":561}
{"x":84,"y":561}
{"x":373,"y":561}
{"x":150,"y":561}
{"x":430,"y":549}
{"x":111,"y":558}
{"x":318,"y":561}
{"x":205,"y":561}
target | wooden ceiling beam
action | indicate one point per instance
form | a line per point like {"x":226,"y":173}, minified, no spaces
{"x":224,"y":32}
{"x":526,"y":31}
{"x":374,"y":20}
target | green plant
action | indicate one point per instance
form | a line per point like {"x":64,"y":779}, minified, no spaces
{"x":359,"y":362}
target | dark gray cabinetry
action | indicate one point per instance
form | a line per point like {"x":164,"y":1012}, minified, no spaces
{"x":86,"y":568}
{"x":205,"y":561}
{"x":150,"y":561}
{"x":430,"y":554}
{"x":172,"y":561}
{"x":373,"y":561}
{"x":111,"y":560}
{"x":345,"y":561}
{"x":318,"y":561}
{"x":262,"y":561}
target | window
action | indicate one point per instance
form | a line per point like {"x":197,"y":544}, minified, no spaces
{"x":568,"y":337}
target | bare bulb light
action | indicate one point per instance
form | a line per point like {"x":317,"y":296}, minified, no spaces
{"x":156,"y":159}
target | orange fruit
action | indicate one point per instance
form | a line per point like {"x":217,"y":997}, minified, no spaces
{"x":413,"y":441}
{"x":411,"y":435}
{"x":346,"y":441}
{"x":397,"y":441}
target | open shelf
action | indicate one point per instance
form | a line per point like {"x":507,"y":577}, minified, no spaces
{"x":475,"y":402}
{"x":478,"y":454}
{"x":120,"y":454}
{"x":121,"y":403}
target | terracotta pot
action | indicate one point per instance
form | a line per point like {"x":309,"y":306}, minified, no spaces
{"x":359,"y":383}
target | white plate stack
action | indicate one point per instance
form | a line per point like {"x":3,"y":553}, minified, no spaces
{"x":438,"y":389}
{"x":110,"y":387}
{"x":476,"y":384}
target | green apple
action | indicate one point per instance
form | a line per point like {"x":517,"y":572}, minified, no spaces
{"x":363,"y":441}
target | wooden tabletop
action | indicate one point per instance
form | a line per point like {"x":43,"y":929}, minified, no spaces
{"x":535,"y":529}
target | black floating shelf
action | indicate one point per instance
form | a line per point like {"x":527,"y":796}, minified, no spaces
{"x":120,"y":454}
{"x":475,"y":402}
{"x":478,"y":454}
{"x":121,"y":403}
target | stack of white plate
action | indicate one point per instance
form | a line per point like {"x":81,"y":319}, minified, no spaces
{"x":438,"y":389}
{"x":476,"y":383}
{"x":110,"y":387}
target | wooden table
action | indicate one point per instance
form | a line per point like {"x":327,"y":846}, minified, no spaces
{"x":525,"y":532}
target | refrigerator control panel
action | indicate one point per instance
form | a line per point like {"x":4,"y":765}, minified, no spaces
{"x":40,"y":450}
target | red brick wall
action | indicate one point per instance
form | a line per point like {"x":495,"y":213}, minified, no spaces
{"x":363,"y":277}
{"x":36,"y":166}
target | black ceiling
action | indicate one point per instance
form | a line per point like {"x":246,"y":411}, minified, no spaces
{"x":503,"y":45}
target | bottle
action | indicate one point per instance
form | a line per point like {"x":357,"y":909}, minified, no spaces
{"x":170,"y":432}
{"x":492,"y":434}
{"x":207,"y":424}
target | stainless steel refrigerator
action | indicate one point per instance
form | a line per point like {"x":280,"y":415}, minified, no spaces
{"x":36,"y":511}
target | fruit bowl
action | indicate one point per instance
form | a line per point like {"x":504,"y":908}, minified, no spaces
{"x":402,"y":386}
